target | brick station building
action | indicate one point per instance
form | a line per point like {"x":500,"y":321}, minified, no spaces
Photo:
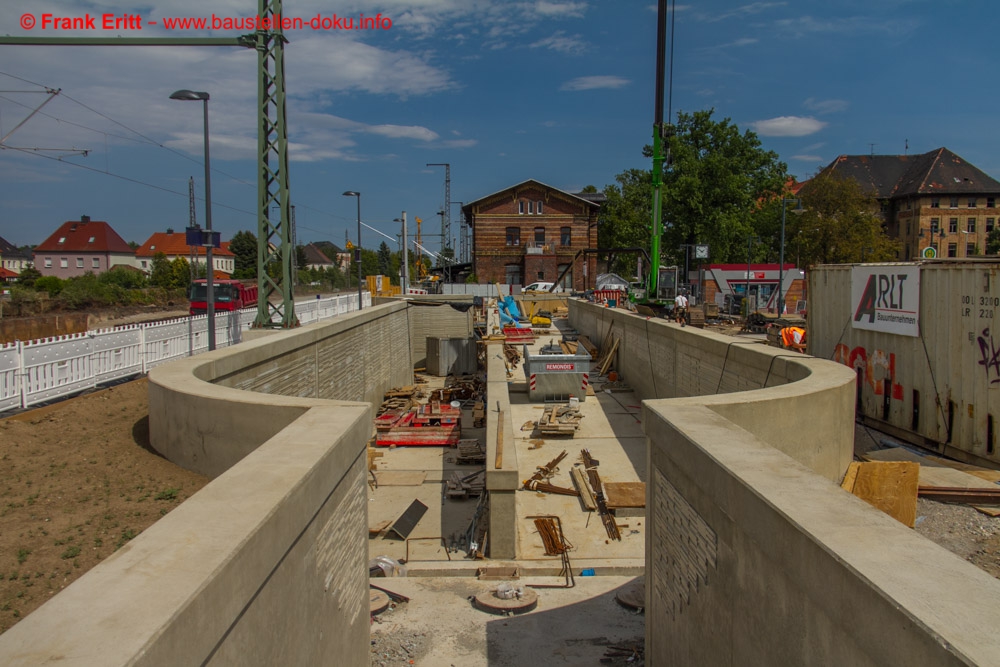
{"x":530,"y":232}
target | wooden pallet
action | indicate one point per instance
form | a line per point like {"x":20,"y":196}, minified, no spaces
{"x":559,"y":420}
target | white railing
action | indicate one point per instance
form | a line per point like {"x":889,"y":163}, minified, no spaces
{"x":41,"y":370}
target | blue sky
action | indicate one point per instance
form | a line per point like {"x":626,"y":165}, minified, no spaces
{"x":556,"y":90}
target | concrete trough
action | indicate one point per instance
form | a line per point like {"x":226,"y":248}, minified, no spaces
{"x":556,"y":377}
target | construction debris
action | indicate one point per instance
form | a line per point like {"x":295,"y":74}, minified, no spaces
{"x":590,"y":465}
{"x":465,"y":487}
{"x":559,"y":420}
{"x":539,"y":481}
{"x":890,"y":486}
{"x":432,"y":424}
{"x":586,"y":493}
{"x":550,"y":530}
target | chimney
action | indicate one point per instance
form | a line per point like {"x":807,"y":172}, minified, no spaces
{"x":84,"y":219}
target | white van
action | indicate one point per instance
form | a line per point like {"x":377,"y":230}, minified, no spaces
{"x":541,"y":287}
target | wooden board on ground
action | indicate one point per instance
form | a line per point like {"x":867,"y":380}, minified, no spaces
{"x":409,"y":519}
{"x":932,"y":473}
{"x":583,"y":488}
{"x":400,"y":477}
{"x":891,"y":486}
{"x":977,"y":471}
{"x":588,"y":346}
{"x":625,"y":494}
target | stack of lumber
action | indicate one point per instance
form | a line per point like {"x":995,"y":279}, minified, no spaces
{"x":470,"y":452}
{"x":478,"y":414}
{"x":588,"y":346}
{"x":608,"y":349}
{"x":559,"y":420}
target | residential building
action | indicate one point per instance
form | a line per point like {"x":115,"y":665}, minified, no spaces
{"x":935,"y":204}
{"x":340,"y":258}
{"x":532,"y":232}
{"x":174,"y":244}
{"x":81,"y":246}
{"x":315,"y":258}
{"x":12,"y":258}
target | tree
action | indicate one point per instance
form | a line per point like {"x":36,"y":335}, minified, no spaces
{"x":300,"y":257}
{"x":384,"y":260}
{"x":244,"y":246}
{"x":841,"y":224}
{"x":625,"y":218}
{"x":713,"y":185}
{"x":992,"y":243}
{"x":28,"y":276}
{"x":160,"y":272}
{"x":181,"y":272}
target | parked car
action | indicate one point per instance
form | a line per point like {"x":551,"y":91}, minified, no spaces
{"x":542,"y":287}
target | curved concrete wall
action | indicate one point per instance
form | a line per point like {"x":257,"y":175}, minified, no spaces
{"x":754,"y":554}
{"x":267,"y":564}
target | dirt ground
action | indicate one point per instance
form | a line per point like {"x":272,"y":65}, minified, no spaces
{"x":79,"y":481}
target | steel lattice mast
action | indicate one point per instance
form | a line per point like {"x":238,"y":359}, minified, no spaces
{"x":274,"y":240}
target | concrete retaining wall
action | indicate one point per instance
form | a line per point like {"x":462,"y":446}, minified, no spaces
{"x":754,"y":555}
{"x":268,"y":563}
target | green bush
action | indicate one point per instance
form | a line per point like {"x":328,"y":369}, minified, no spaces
{"x":50,"y":284}
{"x":124,"y":277}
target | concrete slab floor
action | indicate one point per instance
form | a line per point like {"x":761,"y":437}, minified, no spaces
{"x":570,"y":626}
{"x":439,"y":626}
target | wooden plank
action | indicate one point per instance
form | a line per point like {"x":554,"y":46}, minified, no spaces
{"x":409,"y":519}
{"x":580,"y":482}
{"x":850,"y":477}
{"x":587,"y":345}
{"x":934,"y":471}
{"x":625,"y":494}
{"x":400,"y":477}
{"x":890,"y":486}
{"x":978,"y":471}
{"x":498,"y":461}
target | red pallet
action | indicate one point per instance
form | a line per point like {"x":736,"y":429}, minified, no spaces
{"x":431,"y":424}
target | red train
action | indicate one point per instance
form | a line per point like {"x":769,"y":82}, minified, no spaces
{"x":229,"y":295}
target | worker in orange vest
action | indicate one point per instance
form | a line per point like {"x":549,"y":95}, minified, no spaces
{"x":794,"y":338}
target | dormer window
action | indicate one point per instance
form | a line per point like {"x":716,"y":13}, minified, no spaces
{"x":62,"y":239}
{"x":91,"y":239}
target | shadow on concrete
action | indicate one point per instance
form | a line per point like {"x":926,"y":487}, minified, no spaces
{"x":573,"y":634}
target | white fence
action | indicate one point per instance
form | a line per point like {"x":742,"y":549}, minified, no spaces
{"x":42,"y":370}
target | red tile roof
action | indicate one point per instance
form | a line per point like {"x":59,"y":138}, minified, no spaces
{"x":175,"y":244}
{"x":84,"y":235}
{"x":7,"y":274}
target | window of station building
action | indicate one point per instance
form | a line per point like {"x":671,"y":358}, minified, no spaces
{"x":539,"y":236}
{"x":935,"y":223}
{"x":935,"y":202}
{"x":513,"y":236}
{"x":565,"y":236}
{"x":520,"y":209}
{"x":970,"y":225}
{"x":531,"y":208}
{"x":991,"y":202}
{"x":567,"y":278}
{"x":970,"y":249}
{"x":972,"y":202}
{"x":989,"y":224}
{"x":540,"y":275}
{"x":538,"y":207}
{"x":954,"y":202}
{"x":953,"y":225}
{"x":953,"y":250}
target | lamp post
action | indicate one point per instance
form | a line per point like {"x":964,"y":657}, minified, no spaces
{"x":779,"y":305}
{"x":406,"y":264}
{"x":750,"y":240}
{"x":357,"y":251}
{"x":190,"y":95}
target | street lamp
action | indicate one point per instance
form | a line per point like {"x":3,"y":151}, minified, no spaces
{"x":357,"y":251}
{"x":406,"y":266}
{"x":779,"y":305}
{"x":190,"y":95}
{"x":750,"y":240}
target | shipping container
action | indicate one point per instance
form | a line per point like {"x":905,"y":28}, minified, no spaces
{"x":924,"y":340}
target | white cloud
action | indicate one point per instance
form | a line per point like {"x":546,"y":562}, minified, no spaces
{"x":825,"y":106}
{"x":560,"y":42}
{"x":594,"y":82}
{"x":802,"y":26}
{"x":815,"y":147}
{"x":548,"y":8}
{"x":807,"y":158}
{"x":788,"y":126}
{"x":741,"y":11}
